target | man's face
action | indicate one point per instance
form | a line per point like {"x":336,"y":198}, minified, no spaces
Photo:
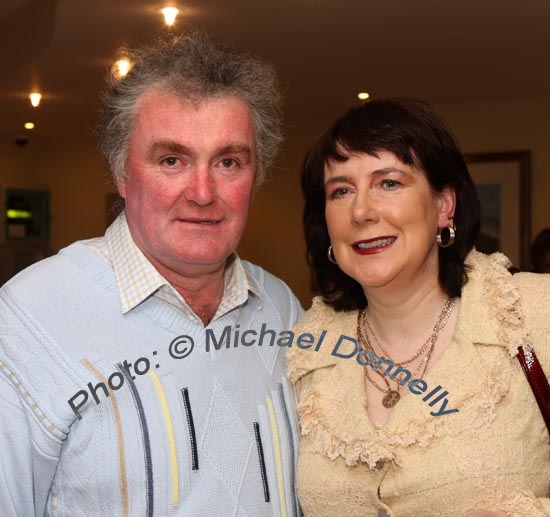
{"x":190,"y":174}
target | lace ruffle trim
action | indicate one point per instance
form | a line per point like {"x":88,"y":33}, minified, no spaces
{"x":519,"y":504}
{"x":478,"y":411}
{"x":503,"y":295}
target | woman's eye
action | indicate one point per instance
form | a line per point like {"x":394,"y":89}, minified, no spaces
{"x":390,"y":184}
{"x":339,"y":192}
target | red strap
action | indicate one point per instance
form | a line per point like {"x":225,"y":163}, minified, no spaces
{"x":538,"y":381}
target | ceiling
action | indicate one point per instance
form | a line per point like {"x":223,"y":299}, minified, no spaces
{"x":326,"y":50}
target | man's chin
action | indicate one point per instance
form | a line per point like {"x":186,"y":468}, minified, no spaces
{"x":201,"y":258}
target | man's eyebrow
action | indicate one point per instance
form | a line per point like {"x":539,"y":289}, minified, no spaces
{"x":175,"y":147}
{"x":167,"y":146}
{"x":236,"y":149}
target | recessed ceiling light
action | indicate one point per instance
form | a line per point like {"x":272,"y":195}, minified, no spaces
{"x":363,"y":96}
{"x":170,"y":14}
{"x":122,"y":67}
{"x":35,"y":98}
{"x":29,"y":125}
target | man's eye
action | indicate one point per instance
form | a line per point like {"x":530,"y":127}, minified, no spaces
{"x":171,"y":161}
{"x":228,"y":163}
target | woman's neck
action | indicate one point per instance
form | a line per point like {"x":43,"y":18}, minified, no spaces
{"x":403,"y":319}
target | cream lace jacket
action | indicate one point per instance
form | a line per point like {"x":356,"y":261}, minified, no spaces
{"x":493,"y":454}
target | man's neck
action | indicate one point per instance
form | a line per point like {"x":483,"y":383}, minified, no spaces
{"x":205,"y":299}
{"x":203,"y":292}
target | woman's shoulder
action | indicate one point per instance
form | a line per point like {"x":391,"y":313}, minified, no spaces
{"x":322,"y":317}
{"x":534,"y":294}
{"x":523,"y":298}
{"x":534,"y":287}
{"x":534,"y":299}
{"x":321,"y":323}
{"x":497,"y":269}
{"x":317,"y":315}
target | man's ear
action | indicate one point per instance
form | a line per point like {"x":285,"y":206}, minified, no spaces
{"x":121,"y":188}
{"x":447,"y":205}
{"x":255,"y":189}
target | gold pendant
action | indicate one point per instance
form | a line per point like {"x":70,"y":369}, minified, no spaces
{"x":391,"y":399}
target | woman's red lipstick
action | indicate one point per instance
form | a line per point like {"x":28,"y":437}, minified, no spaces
{"x":371,"y":246}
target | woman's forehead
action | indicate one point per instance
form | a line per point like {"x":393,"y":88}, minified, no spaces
{"x":364,"y":161}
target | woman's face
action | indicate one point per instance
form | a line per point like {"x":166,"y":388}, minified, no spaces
{"x":382,"y":218}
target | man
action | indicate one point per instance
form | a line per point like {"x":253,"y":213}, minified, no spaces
{"x":128,"y":385}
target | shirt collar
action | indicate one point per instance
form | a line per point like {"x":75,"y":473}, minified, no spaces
{"x":137,"y":278}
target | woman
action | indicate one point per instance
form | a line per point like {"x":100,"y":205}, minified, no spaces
{"x":414,"y":404}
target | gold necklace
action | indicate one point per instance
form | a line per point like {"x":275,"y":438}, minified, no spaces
{"x":392,"y":397}
{"x":439,"y":324}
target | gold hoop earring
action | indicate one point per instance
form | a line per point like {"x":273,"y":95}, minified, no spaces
{"x":446,"y":236}
{"x":330,"y":255}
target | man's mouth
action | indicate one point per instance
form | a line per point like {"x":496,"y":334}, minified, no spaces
{"x":201,"y":221}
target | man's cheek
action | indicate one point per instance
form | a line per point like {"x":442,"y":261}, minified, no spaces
{"x":241,"y":194}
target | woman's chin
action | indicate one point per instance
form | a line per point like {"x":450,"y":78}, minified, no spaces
{"x":375,"y":281}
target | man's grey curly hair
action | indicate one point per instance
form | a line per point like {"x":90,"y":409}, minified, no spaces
{"x":193,"y":66}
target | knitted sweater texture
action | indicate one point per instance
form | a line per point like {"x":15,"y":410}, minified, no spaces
{"x":207,"y":434}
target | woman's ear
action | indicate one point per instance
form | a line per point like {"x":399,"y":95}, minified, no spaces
{"x":447,"y":205}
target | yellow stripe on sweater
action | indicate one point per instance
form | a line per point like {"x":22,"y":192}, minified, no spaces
{"x":171,"y":439}
{"x":119,"y":436}
{"x":279,"y":462}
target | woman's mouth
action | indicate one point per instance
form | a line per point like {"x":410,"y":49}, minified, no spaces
{"x":371,"y":246}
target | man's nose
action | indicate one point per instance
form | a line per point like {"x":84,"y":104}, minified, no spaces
{"x":201,"y":187}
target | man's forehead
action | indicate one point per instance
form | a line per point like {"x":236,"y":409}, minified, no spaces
{"x":165,"y":113}
{"x":157,"y":97}
{"x":167,"y":122}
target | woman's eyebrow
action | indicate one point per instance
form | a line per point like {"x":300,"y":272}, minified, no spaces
{"x":377,"y":172}
{"x":337,"y":179}
{"x":387,"y":170}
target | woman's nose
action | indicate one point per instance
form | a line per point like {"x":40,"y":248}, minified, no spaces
{"x":363,"y":209}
